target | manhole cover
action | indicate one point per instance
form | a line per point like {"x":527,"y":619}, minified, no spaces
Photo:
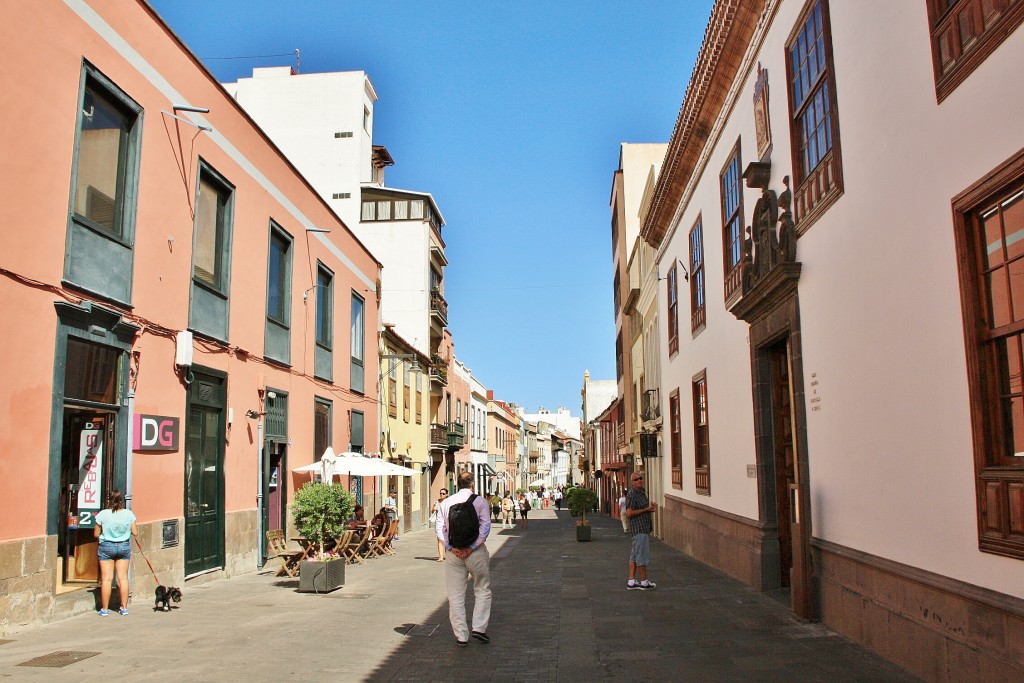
{"x":422,"y":630}
{"x":55,"y":660}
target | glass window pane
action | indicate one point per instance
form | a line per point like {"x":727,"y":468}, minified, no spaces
{"x":102,"y":154}
{"x":992,"y":232}
{"x":323,"y":308}
{"x":1016,"y":270}
{"x":277,"y":285}
{"x":209,"y":233}
{"x":1013,"y":423}
{"x":384,"y":211}
{"x":357,"y":328}
{"x":1013,"y":225}
{"x":998,"y":298}
{"x":1008,"y":365}
{"x":369,"y":211}
{"x":90,"y":371}
{"x":401,"y":210}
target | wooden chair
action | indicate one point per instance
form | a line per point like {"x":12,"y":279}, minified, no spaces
{"x":277,"y":547}
{"x":387,"y":546}
{"x":342,"y":541}
{"x":375,"y":547}
{"x":357,"y":545}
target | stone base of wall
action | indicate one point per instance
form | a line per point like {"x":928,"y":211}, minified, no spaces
{"x":938,"y":628}
{"x":740,"y":547}
{"x":29,"y":572}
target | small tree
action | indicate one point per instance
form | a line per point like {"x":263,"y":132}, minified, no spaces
{"x":320,"y":510}
{"x":580,"y":500}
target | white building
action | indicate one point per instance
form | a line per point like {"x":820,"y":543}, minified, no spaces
{"x":324,"y":123}
{"x":844,"y":415}
{"x":562,"y":419}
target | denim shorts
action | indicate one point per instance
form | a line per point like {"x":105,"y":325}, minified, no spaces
{"x":640,"y":552}
{"x":115,"y":550}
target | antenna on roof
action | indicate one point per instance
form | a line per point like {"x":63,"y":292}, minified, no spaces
{"x":298,"y":60}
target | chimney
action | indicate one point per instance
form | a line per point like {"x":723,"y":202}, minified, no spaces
{"x":490,"y":394}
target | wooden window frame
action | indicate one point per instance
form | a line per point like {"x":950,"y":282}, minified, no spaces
{"x":698,"y":294}
{"x":406,"y":393}
{"x":999,"y":480}
{"x":966,"y":56}
{"x":672,"y":288}
{"x":732,"y":243}
{"x":284,"y":296}
{"x":328,"y":405}
{"x":324,"y":308}
{"x":701,"y":440}
{"x":817,"y":188}
{"x":357,"y":344}
{"x":392,"y":388}
{"x":675,"y":440}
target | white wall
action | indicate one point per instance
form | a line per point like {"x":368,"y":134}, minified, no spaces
{"x":891,"y":457}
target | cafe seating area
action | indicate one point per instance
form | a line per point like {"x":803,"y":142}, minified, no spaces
{"x":354,"y":546}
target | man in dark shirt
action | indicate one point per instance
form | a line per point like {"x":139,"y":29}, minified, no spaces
{"x":639,"y":511}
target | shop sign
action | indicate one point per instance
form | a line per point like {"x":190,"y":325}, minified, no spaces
{"x":155,"y":433}
{"x":90,"y":471}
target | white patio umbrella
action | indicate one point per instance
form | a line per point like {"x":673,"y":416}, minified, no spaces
{"x":400,"y":471}
{"x":347,"y":463}
{"x":539,"y":482}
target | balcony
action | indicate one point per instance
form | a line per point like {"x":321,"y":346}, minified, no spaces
{"x":456,"y":435}
{"x":438,"y":309}
{"x":438,"y":373}
{"x":438,"y":436}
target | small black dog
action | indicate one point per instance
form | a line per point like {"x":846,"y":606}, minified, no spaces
{"x":165,"y":596}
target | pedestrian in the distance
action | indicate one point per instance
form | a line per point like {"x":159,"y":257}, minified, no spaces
{"x":640,"y":511}
{"x":558,"y":499}
{"x":507,"y":505}
{"x":623,"y":517}
{"x":467,"y":555}
{"x":434,"y":513}
{"x":547,"y":499}
{"x":115,"y":527}
{"x":524,"y":510}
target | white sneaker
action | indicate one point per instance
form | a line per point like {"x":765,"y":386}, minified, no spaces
{"x":649,"y":586}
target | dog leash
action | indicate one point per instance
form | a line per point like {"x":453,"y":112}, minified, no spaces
{"x":147,"y":561}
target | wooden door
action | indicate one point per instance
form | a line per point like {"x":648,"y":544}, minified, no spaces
{"x":204,"y":480}
{"x":785,"y":471}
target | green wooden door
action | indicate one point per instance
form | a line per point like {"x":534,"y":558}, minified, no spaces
{"x":204,"y":480}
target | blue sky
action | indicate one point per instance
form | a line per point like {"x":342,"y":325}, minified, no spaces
{"x":511,"y":115}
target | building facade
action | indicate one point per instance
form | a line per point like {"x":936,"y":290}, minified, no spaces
{"x":843,"y":416}
{"x":186,"y":320}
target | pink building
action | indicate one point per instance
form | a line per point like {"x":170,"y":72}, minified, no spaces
{"x":185,"y":319}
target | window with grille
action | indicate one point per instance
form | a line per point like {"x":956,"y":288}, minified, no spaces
{"x":990,"y":243}
{"x":732,"y":221}
{"x":701,"y":446}
{"x":675,"y":440}
{"x":964,"y":33}
{"x":698,"y":311}
{"x":817,"y":165}
{"x":673,"y":310}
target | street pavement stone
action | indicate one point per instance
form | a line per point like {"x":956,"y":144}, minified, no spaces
{"x":560,"y":612}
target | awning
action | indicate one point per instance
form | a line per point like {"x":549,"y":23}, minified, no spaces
{"x":487,"y":469}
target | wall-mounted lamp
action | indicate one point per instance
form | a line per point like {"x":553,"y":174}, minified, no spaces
{"x":189,"y":107}
{"x":184,"y":120}
{"x":323,"y":230}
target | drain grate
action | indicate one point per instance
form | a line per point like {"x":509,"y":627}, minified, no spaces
{"x":422,"y":630}
{"x":55,"y":660}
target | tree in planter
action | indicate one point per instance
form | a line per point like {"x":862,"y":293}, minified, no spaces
{"x":580,"y":500}
{"x":320,"y":510}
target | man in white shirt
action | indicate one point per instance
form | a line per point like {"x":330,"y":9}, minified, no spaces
{"x":461,"y":562}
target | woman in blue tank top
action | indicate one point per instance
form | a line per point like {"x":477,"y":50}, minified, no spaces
{"x":115,"y":527}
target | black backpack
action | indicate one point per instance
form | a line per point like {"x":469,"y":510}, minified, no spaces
{"x":463,"y":524}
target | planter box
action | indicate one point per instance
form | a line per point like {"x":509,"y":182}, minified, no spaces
{"x":321,"y":577}
{"x":583,"y":532}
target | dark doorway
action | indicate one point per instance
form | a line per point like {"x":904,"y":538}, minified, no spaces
{"x":783,"y":443}
{"x":204,"y":480}
{"x":86,"y":477}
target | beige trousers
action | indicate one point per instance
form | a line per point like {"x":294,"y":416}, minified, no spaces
{"x":456,"y":574}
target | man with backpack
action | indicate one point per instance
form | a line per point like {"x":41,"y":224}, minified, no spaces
{"x":463,"y":524}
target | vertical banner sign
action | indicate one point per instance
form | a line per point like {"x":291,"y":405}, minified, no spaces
{"x":90,"y":470}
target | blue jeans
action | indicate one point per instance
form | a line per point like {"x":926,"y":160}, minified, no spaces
{"x":115,"y":550}
{"x":640,"y":552}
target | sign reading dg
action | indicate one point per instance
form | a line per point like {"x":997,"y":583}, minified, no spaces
{"x":155,"y":433}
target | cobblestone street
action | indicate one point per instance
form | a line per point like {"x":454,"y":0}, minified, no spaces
{"x":561,"y":613}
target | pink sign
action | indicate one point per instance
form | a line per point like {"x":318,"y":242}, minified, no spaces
{"x":90,"y":470}
{"x":155,"y":433}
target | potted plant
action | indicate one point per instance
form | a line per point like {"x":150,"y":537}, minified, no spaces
{"x":319,"y":511}
{"x":579,"y":500}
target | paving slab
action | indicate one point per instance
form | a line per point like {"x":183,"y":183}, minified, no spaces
{"x":560,"y":613}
